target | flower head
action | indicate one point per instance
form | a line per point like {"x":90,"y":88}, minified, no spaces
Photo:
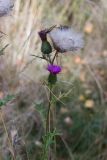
{"x":45,"y":46}
{"x":5,"y":7}
{"x":43,"y":33}
{"x":54,"y":69}
{"x":66,"y":39}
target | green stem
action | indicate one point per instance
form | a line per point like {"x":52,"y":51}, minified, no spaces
{"x":48,"y":119}
{"x":49,"y":110}
{"x":54,"y":57}
{"x":50,"y":126}
{"x":54,"y":127}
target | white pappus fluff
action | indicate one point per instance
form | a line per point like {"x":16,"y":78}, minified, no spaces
{"x":5,"y":7}
{"x":66,"y":39}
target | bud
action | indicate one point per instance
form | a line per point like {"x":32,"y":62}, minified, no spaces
{"x":45,"y":47}
{"x":52,"y":79}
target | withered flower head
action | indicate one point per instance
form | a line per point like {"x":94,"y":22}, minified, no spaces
{"x":5,"y":7}
{"x":66,"y":39}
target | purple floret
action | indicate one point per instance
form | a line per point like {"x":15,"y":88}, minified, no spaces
{"x":54,"y":69}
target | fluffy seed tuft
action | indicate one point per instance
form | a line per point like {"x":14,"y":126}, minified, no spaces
{"x":66,"y":39}
{"x":5,"y":7}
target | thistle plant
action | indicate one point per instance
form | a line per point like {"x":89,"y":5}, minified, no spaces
{"x":63,"y":39}
{"x":5,"y":7}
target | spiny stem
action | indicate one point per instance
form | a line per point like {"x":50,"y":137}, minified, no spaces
{"x":54,"y":127}
{"x":49,"y":109}
{"x":48,"y":119}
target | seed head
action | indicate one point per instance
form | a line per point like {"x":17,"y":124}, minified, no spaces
{"x":66,"y":39}
{"x":5,"y":7}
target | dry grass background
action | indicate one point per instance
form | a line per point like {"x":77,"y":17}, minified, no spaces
{"x":19,"y":71}
{"x":30,"y":16}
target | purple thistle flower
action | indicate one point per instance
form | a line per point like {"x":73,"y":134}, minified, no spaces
{"x":54,"y":69}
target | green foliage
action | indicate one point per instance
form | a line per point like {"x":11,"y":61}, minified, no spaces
{"x":86,"y":135}
{"x":7,"y":99}
{"x":48,"y":140}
